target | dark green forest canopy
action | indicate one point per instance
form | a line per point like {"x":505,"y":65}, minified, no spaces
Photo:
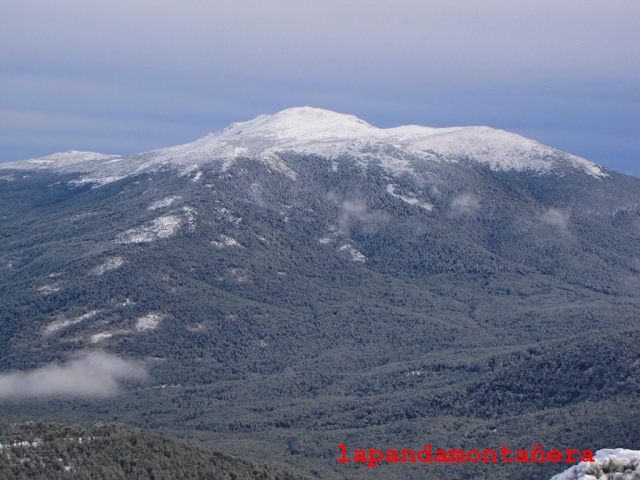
{"x":51,"y":451}
{"x":280,"y":318}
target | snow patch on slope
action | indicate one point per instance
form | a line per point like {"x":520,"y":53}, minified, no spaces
{"x":148,"y":322}
{"x":190,"y":216}
{"x":356,"y":255}
{"x":112,"y":263}
{"x":67,"y":322}
{"x":101,"y":336}
{"x":162,"y":227}
{"x":224,"y":213}
{"x":165,"y":202}
{"x":98,"y":337}
{"x":409,"y":200}
{"x":49,"y":289}
{"x":274,"y":162}
{"x":225,"y":241}
{"x":333,"y":234}
{"x":241,"y":275}
{"x":97,"y":180}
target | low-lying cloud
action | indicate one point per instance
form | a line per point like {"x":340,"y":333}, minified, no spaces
{"x":558,"y":219}
{"x":95,"y":375}
{"x":255,"y":194}
{"x":465,"y":204}
{"x":356,"y":212}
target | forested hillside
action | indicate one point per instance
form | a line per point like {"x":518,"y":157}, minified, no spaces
{"x":53,"y":451}
{"x":477,"y":291}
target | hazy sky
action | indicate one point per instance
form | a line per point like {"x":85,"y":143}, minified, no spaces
{"x":129,"y":76}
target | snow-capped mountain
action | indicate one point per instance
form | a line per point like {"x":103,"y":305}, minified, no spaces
{"x":305,"y":279}
{"x":308,"y":130}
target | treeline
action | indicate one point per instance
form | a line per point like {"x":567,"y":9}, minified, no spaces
{"x":45,"y":451}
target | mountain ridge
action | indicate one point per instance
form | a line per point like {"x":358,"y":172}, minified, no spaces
{"x":291,"y":301}
{"x":309,"y":130}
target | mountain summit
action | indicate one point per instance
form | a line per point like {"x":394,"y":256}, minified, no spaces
{"x":321,"y":132}
{"x":305,"y":280}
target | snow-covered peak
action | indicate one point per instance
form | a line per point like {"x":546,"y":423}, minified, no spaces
{"x":61,"y":159}
{"x":302,"y":129}
{"x":316,"y":131}
{"x":322,"y":132}
{"x":299,"y":123}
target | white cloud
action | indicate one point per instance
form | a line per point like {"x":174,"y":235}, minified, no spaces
{"x":558,"y":219}
{"x":465,"y":204}
{"x":356,"y":212}
{"x":95,"y":375}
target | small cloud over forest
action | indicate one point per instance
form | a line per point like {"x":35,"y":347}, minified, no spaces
{"x":355,"y":212}
{"x":465,"y":204}
{"x":95,"y":375}
{"x":558,"y":219}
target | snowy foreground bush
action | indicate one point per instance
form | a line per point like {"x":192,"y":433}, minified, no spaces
{"x":610,"y":464}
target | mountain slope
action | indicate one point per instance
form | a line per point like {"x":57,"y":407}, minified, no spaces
{"x":49,"y":451}
{"x":305,"y":279}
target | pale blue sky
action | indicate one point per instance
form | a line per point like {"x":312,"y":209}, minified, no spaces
{"x":119,"y":76}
